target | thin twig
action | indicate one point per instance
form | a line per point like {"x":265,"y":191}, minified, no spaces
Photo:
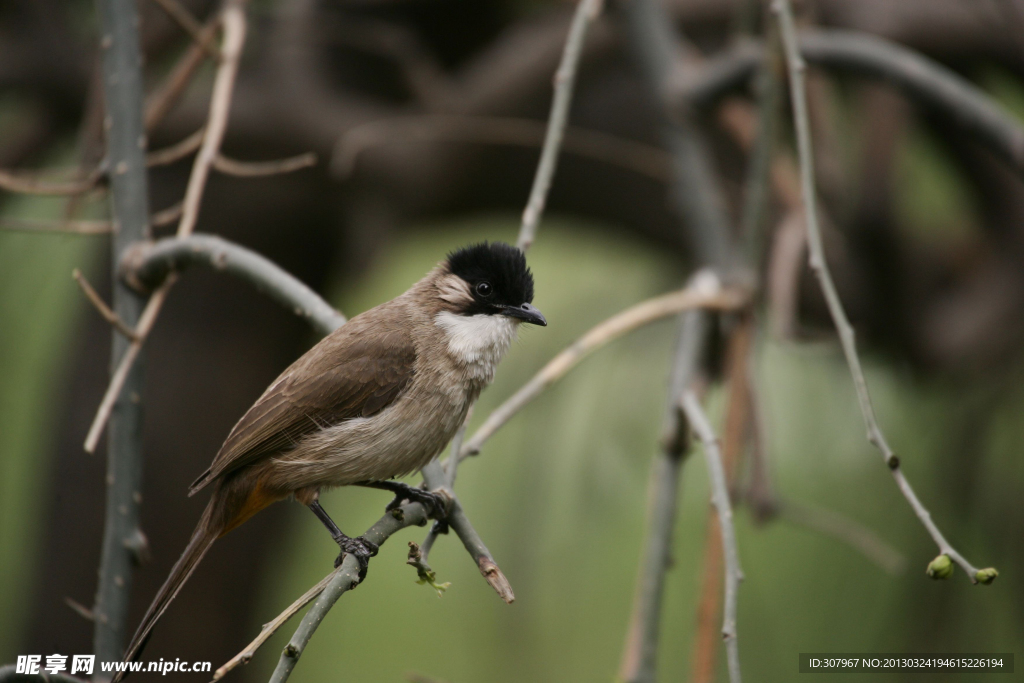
{"x":166,"y":216}
{"x":258,"y":169}
{"x":565,"y":78}
{"x":639,"y":658}
{"x":75,"y":227}
{"x":233,"y":20}
{"x":720,"y":498}
{"x":818,"y":264}
{"x":160,"y":103}
{"x":25,"y":183}
{"x":271,"y":627}
{"x":638,"y":157}
{"x":644,"y":313}
{"x":191,"y":25}
{"x":220,"y":105}
{"x":177,"y":151}
{"x":844,"y":529}
{"x":101,"y":305}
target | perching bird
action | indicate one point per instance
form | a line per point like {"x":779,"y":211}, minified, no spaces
{"x":378,"y":398}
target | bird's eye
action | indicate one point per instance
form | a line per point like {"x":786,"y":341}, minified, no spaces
{"x":484,"y":289}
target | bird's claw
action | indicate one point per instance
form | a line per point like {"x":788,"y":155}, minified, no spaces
{"x":436,"y":502}
{"x":361,"y":549}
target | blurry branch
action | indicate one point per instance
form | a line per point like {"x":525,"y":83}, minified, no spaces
{"x":123,"y":94}
{"x":177,"y":151}
{"x":658,"y":49}
{"x":258,"y":169}
{"x":76,"y":227}
{"x":226,"y":165}
{"x":704,"y":293}
{"x":929,"y":83}
{"x":101,"y":306}
{"x":161,"y":101}
{"x":720,"y":498}
{"x":738,"y":417}
{"x":166,"y":216}
{"x":639,"y":658}
{"x":191,"y":25}
{"x":148,"y":264}
{"x":820,"y":267}
{"x":565,"y":78}
{"x":234,"y":37}
{"x":644,"y":159}
{"x":25,"y":183}
{"x":846,"y":530}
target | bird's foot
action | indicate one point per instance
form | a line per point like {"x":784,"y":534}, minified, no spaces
{"x":436,"y":502}
{"x":360,"y":548}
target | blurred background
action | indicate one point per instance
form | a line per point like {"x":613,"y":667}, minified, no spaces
{"x":924,"y":232}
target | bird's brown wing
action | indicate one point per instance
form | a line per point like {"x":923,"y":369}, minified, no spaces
{"x":357,"y":371}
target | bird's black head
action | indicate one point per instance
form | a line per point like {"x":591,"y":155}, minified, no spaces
{"x":498,"y":280}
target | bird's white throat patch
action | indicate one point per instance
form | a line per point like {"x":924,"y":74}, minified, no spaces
{"x":478,"y":341}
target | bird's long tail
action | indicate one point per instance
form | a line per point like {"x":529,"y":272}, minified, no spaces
{"x":207,"y":531}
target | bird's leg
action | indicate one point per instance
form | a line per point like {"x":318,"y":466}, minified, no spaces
{"x":360,"y":548}
{"x":436,"y":502}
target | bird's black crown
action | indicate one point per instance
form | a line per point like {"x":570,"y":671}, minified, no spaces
{"x":497,"y":275}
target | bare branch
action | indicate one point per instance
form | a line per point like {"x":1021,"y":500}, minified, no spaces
{"x":920,"y":78}
{"x":565,"y":79}
{"x":723,"y":506}
{"x":177,"y":151}
{"x":234,"y":38}
{"x":647,"y":160}
{"x":81,"y":227}
{"x":160,"y":103}
{"x":694,"y":297}
{"x":101,"y":305}
{"x":191,"y":25}
{"x":24,"y":183}
{"x":148,"y":265}
{"x":844,"y":529}
{"x":166,"y":216}
{"x":258,"y":169}
{"x":220,"y":106}
{"x":818,"y":264}
{"x":123,"y":94}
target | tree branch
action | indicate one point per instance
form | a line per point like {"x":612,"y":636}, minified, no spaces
{"x":101,"y":306}
{"x":565,"y":79}
{"x":698,"y":295}
{"x":147,"y":265}
{"x":835,"y":306}
{"x":123,"y":92}
{"x":720,"y":498}
{"x":922,"y":79}
{"x":234,"y":38}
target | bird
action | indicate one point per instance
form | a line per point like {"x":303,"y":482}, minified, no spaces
{"x":378,"y":398}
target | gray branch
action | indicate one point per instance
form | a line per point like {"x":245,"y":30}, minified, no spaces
{"x":565,"y":80}
{"x":819,"y":266}
{"x":146,"y":265}
{"x":723,"y":507}
{"x":126,"y":151}
{"x":922,"y":79}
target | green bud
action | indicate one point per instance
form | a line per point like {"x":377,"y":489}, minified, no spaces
{"x":940,"y":568}
{"x":987,"y":575}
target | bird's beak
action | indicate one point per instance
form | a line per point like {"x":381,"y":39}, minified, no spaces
{"x":526,"y":313}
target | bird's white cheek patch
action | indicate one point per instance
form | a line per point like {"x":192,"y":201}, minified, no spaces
{"x":477,"y":339}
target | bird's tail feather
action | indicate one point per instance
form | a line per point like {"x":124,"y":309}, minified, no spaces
{"x":202,"y":539}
